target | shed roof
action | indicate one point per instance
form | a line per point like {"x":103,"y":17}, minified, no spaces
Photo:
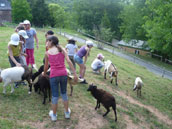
{"x":5,"y":5}
{"x":135,"y":44}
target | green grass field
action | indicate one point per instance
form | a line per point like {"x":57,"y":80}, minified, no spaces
{"x":153,"y":110}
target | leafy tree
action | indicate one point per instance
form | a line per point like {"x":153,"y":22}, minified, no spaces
{"x":40,"y":13}
{"x":105,"y":20}
{"x":90,"y":12}
{"x":20,"y":11}
{"x":57,"y":14}
{"x":132,"y":18}
{"x":158,"y":26}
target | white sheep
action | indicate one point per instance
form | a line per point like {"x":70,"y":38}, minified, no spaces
{"x":138,"y":85}
{"x":111,"y":69}
{"x":15,"y":74}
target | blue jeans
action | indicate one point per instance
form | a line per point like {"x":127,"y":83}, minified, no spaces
{"x":78,"y":59}
{"x":55,"y":83}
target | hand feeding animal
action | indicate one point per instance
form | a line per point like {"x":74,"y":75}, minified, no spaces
{"x":138,"y":85}
{"x":103,"y":97}
{"x":111,"y":69}
{"x":16,"y":74}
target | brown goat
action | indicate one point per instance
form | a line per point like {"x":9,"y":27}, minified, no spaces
{"x":103,"y":97}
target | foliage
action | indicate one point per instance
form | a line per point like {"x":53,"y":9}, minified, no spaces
{"x":158,"y":26}
{"x":90,"y":12}
{"x":20,"y":11}
{"x":40,"y":13}
{"x":57,"y":14}
{"x":132,"y":20}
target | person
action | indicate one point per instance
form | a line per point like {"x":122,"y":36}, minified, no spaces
{"x":78,"y":58}
{"x":14,"y":50}
{"x":56,"y":56}
{"x":30,"y":44}
{"x":97,"y":64}
{"x":50,"y":32}
{"x":23,"y":37}
{"x":71,"y":48}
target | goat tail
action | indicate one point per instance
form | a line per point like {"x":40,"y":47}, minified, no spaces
{"x":114,"y":109}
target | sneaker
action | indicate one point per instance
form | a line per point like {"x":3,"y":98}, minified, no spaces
{"x":84,"y":82}
{"x":53,"y":117}
{"x":67,"y":114}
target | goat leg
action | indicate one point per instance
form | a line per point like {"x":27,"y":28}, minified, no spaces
{"x":49,"y":94}
{"x":105,"y":74}
{"x":116,"y":81}
{"x":71,"y":91}
{"x":45,"y":95}
{"x":108,"y":110}
{"x":12,"y":88}
{"x":114,"y":109}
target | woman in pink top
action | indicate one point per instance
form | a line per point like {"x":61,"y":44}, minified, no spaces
{"x":58,"y":75}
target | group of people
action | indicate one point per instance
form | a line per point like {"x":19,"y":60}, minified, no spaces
{"x":21,"y":52}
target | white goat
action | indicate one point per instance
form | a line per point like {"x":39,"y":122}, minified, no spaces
{"x":138,"y":85}
{"x":111,"y":69}
{"x":15,"y":74}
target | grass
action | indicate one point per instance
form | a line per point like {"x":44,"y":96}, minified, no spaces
{"x":20,"y":110}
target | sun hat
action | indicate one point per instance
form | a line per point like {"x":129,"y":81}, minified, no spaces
{"x":89,"y":43}
{"x":14,"y":39}
{"x":23,"y":34}
{"x":26,"y":22}
{"x":71,"y":39}
{"x":100,"y":55}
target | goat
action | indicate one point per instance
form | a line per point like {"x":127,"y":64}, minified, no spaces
{"x":16,"y":74}
{"x":138,"y":85}
{"x":112,"y":70}
{"x":43,"y":84}
{"x":103,"y":97}
{"x":71,"y":81}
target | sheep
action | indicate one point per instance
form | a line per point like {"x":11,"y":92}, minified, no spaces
{"x":138,"y":85}
{"x":112,"y":70}
{"x":103,"y":97}
{"x":43,"y":84}
{"x":16,"y":74}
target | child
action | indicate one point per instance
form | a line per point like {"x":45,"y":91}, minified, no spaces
{"x":50,"y":32}
{"x":78,"y":58}
{"x":30,"y":44}
{"x":23,"y":37}
{"x":56,"y":56}
{"x":71,"y":48}
{"x":97,"y":64}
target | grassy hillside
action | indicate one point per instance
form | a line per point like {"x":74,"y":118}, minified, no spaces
{"x":152,"y":110}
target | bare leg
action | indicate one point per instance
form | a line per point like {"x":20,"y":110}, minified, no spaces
{"x":82,"y":70}
{"x":54,"y":108}
{"x":66,"y":104}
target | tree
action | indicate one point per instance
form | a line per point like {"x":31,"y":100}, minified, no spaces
{"x":132,"y":20}
{"x":57,"y":14}
{"x":40,"y":13}
{"x":20,"y":11}
{"x":158,"y":26}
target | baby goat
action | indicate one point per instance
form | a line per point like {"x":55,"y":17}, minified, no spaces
{"x":16,"y":74}
{"x":111,"y":69}
{"x":103,"y":97}
{"x":43,"y":84}
{"x":138,"y":85}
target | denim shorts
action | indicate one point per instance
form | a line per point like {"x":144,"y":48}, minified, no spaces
{"x":57,"y":82}
{"x":78,"y":59}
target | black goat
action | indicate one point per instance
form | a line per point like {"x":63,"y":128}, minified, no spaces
{"x":103,"y":97}
{"x":43,"y":85}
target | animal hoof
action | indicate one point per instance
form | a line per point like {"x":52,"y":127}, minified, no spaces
{"x":29,"y":92}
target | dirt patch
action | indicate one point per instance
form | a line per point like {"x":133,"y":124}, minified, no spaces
{"x":153,"y":110}
{"x":129,"y":123}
